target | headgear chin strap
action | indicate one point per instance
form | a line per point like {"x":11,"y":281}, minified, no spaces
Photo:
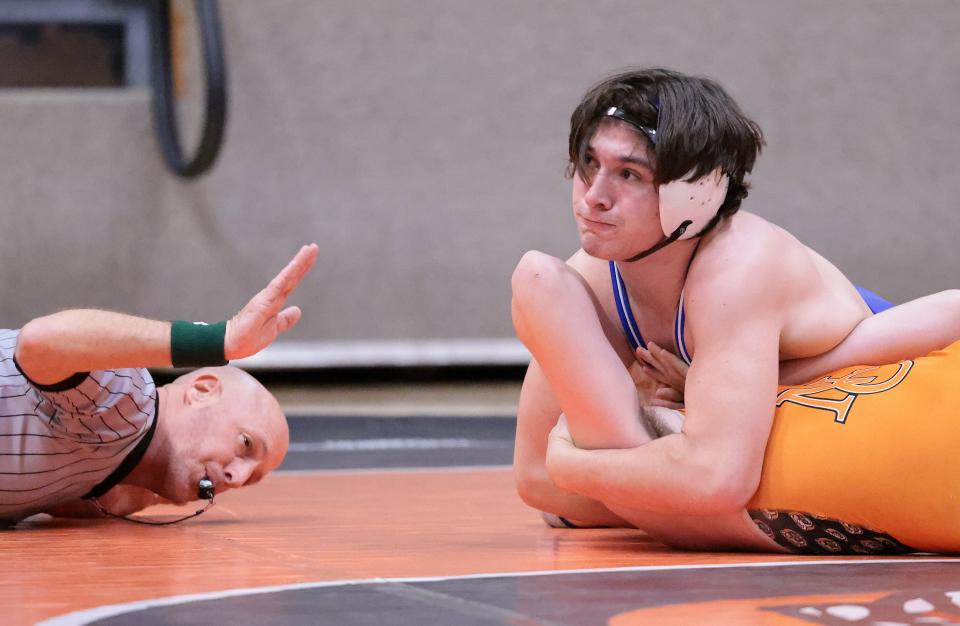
{"x":686,"y":206}
{"x":678,"y":233}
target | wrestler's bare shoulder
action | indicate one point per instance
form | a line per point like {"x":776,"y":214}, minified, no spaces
{"x":745,"y":260}
{"x":748,"y":252}
{"x":746,"y":239}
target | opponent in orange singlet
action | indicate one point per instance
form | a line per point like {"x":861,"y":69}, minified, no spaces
{"x":875,"y":447}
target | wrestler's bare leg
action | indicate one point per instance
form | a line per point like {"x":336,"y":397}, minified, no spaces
{"x":537,"y":414}
{"x":556,"y":317}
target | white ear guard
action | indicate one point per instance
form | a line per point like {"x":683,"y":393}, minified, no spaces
{"x":693,"y":203}
{"x":696,"y":201}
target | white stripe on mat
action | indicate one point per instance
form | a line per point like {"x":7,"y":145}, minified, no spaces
{"x":80,"y":618}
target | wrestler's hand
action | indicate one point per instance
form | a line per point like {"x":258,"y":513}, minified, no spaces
{"x":667,"y":397}
{"x":560,"y":433}
{"x":645,"y":384}
{"x":259,"y":323}
{"x":561,"y":453}
{"x":668,"y":370}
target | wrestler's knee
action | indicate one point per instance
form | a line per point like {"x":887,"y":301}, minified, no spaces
{"x":534,"y":488}
{"x":531,"y":483}
{"x":535,"y":283}
{"x":536,"y":274}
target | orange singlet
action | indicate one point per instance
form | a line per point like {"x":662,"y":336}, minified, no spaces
{"x":875,"y":447}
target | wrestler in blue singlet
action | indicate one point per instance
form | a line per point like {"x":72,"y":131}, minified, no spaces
{"x":632,"y":329}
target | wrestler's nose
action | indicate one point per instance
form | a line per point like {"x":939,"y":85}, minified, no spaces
{"x":598,"y":194}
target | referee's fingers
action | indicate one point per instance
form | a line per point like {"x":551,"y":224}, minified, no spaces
{"x":290,"y":276}
{"x":288,"y":318}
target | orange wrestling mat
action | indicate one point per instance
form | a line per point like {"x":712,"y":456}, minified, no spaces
{"x":441,"y":546}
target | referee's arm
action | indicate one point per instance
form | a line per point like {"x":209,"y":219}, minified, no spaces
{"x":52,"y":348}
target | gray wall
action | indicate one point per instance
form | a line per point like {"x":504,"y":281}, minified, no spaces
{"x":421,"y":143}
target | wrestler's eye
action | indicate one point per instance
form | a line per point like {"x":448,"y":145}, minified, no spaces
{"x":630,"y":175}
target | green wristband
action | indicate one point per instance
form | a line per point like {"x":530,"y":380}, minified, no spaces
{"x":197,"y":344}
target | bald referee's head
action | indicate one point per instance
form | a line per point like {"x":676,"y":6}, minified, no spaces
{"x":217,"y":422}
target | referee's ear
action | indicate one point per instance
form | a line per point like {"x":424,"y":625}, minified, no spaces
{"x":204,"y":387}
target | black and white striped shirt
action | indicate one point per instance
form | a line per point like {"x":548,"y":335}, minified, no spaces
{"x":69,"y":440}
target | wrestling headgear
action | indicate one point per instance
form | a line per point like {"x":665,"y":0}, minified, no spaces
{"x":686,"y":207}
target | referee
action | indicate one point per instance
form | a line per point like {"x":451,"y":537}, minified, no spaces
{"x":84,"y":431}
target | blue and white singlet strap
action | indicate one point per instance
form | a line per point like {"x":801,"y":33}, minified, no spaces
{"x":630,"y":327}
{"x":678,"y":327}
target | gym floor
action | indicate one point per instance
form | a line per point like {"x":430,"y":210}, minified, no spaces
{"x":396,"y":506}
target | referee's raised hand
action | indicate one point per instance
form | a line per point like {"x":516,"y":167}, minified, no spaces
{"x":259,"y":323}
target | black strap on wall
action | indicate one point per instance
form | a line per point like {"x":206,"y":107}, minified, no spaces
{"x":164,"y":103}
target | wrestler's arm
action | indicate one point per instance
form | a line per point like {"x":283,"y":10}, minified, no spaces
{"x":52,"y":348}
{"x":905,"y":331}
{"x":712,"y":466}
{"x":537,"y":413}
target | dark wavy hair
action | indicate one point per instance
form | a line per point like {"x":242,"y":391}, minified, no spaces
{"x":699,"y":128}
